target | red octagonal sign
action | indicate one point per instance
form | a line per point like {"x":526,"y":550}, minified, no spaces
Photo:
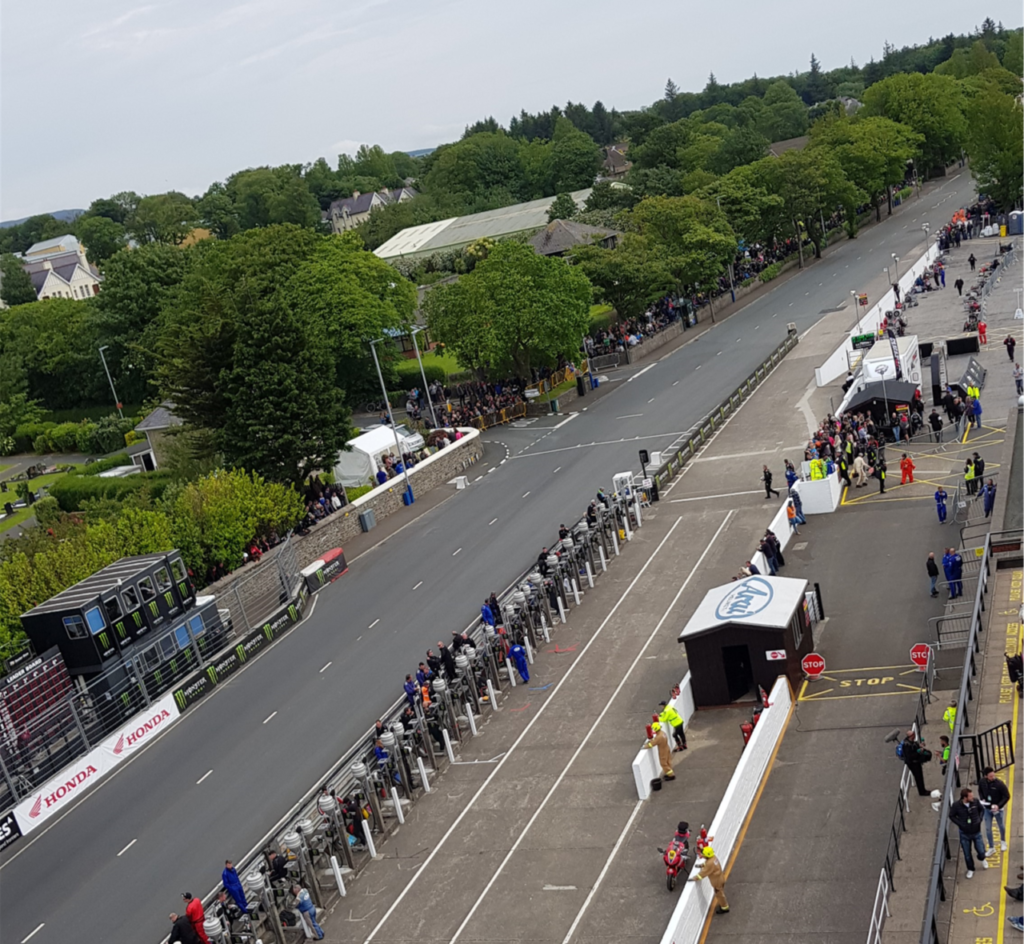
{"x":919,"y":655}
{"x":813,"y":665}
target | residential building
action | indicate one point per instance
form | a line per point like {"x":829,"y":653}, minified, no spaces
{"x":348,"y":213}
{"x":615,"y":162}
{"x":59,"y":269}
{"x":154,"y":427}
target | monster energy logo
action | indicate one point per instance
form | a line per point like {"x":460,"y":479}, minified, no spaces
{"x":169,"y":598}
{"x":159,"y":676}
{"x":137,"y":616}
{"x":211,"y":671}
{"x":104,"y":641}
{"x":124,"y":698}
{"x":293,"y":613}
{"x":179,"y":697}
{"x":183,"y":589}
{"x":153,"y":608}
{"x":268,"y":632}
{"x":174,"y":666}
{"x":240,"y":652}
{"x":119,"y":626}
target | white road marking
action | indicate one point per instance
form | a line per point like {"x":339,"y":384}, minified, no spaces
{"x":34,"y":933}
{"x":484,"y":787}
{"x":420,"y":584}
{"x":326,"y":667}
{"x":559,"y":888}
{"x":457,"y":551}
{"x":203,"y":777}
{"x":559,"y":469}
{"x":674,"y":384}
{"x":376,"y":621}
{"x":121,"y":853}
{"x":526,"y":495}
{"x":651,"y":400}
{"x":698,"y":367}
{"x":719,"y":354}
{"x":489,"y":523}
{"x":268,"y":717}
{"x":629,"y":416}
{"x":639,"y":373}
{"x":569,"y":418}
{"x":676,"y":501}
{"x":593,"y":727}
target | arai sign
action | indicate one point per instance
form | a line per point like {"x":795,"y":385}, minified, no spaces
{"x":748,"y":598}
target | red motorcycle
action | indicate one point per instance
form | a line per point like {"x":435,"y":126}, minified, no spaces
{"x":676,"y":855}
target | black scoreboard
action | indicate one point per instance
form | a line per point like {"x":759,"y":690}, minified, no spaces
{"x":28,"y":691}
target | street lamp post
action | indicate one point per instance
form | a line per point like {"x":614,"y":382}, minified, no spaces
{"x":391,"y":418}
{"x":110,"y":380}
{"x":423,"y":374}
{"x":896,"y":264}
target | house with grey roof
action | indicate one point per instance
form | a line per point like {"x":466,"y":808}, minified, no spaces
{"x":349,"y":212}
{"x":59,"y":268}
{"x":148,"y":455}
{"x":559,"y":236}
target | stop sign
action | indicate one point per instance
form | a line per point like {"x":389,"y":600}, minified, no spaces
{"x":813,"y":665}
{"x":919,"y":655}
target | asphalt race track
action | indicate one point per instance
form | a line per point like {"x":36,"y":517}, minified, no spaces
{"x":69,"y":876}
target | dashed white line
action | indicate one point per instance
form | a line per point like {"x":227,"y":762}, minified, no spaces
{"x":526,"y":495}
{"x":698,"y":367}
{"x":326,"y":667}
{"x":629,"y":416}
{"x":376,"y":621}
{"x":719,"y":354}
{"x":268,"y":717}
{"x":420,"y":584}
{"x":651,"y":400}
{"x":121,"y":853}
{"x":559,"y":469}
{"x":34,"y":933}
{"x":639,"y":372}
{"x":489,"y":523}
{"x":459,"y":551}
{"x":203,"y":777}
{"x":672,"y":385}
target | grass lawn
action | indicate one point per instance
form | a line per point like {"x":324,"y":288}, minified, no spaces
{"x":410,"y":371}
{"x":23,"y":514}
{"x":563,"y":387}
{"x":601,"y":316}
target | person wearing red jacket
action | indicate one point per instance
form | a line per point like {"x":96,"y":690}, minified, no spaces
{"x":195,"y":914}
{"x":906,"y":470}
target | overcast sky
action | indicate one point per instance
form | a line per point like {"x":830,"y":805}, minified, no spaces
{"x":174,"y":94}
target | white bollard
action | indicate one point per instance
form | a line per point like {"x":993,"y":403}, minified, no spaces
{"x":424,"y":779}
{"x":590,"y":575}
{"x":636,"y":502}
{"x":397,"y":800}
{"x":575,"y":591}
{"x":544,"y":629}
{"x":367,"y":835}
{"x":615,"y":540}
{"x":493,"y":696}
{"x":511,"y":674}
{"x":604,"y":560}
{"x":529,"y":650}
{"x":471,"y":719}
{"x":336,"y":869}
{"x":625,"y":522}
{"x":448,"y":745}
{"x":561,"y":609}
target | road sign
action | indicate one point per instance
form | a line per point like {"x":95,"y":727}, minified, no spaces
{"x":644,"y":457}
{"x":775,"y":655}
{"x":813,"y":665}
{"x":920,"y":654}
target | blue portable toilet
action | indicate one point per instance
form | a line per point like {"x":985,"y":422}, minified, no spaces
{"x":1015,"y":227}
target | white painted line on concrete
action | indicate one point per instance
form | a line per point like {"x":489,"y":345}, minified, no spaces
{"x":559,"y":888}
{"x":676,"y":501}
{"x":630,"y":416}
{"x":203,"y":777}
{"x":268,"y":717}
{"x":651,"y":400}
{"x":559,"y":469}
{"x":597,"y":721}
{"x":568,"y":419}
{"x":639,"y":373}
{"x":326,"y":667}
{"x":483,"y":788}
{"x":675,"y":383}
{"x":489,"y":523}
{"x":698,"y":367}
{"x":604,"y":871}
{"x":420,"y":584}
{"x":454,"y":553}
{"x":34,"y":933}
{"x":121,"y":853}
{"x":376,"y":621}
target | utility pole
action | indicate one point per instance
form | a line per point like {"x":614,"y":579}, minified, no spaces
{"x":110,"y":380}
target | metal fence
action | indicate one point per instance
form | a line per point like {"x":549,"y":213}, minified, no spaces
{"x":501,"y":417}
{"x":258,"y":592}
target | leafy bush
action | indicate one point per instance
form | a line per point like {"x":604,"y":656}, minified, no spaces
{"x":27,"y":433}
{"x":904,"y":193}
{"x":409,"y":373}
{"x":108,"y":434}
{"x":47,"y":511}
{"x":72,"y":490}
{"x":769,"y":272}
{"x":353,"y":492}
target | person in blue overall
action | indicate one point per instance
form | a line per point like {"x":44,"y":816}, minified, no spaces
{"x":940,"y":504}
{"x":487,"y":614}
{"x":233,"y":886}
{"x":988,"y":494}
{"x":518,"y":655}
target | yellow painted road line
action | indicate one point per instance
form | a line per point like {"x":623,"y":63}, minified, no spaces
{"x":824,"y":697}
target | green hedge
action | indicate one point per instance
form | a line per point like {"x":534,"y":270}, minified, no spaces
{"x":904,"y":193}
{"x":104,"y":465}
{"x":769,"y":273}
{"x":99,"y":438}
{"x":409,"y":373}
{"x":25,"y":435}
{"x":72,"y":490}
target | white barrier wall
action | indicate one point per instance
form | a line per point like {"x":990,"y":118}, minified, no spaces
{"x":646,"y":765}
{"x":838,"y":362}
{"x":61,"y":792}
{"x":820,"y":496}
{"x":687,"y":922}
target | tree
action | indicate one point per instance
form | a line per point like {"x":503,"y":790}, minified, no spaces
{"x":752,"y":211}
{"x":787,"y":114}
{"x":816,"y":86}
{"x":476,"y":166}
{"x":218,"y":212}
{"x":285,"y":418}
{"x":101,"y":237}
{"x":516,"y":309}
{"x":931,"y":105}
{"x":1013,"y":55}
{"x":165,"y":218}
{"x":629,"y":277}
{"x":575,"y":158}
{"x":136,"y":284}
{"x":996,"y":147}
{"x":563,"y":208}
{"x":15,"y":284}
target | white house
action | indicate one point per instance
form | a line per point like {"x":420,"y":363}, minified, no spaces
{"x":349,"y":212}
{"x":59,"y":269}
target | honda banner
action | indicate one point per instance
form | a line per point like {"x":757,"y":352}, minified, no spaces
{"x":60,"y":792}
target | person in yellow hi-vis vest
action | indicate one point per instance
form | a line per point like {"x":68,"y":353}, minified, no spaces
{"x":711,"y":869}
{"x":949,"y":715}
